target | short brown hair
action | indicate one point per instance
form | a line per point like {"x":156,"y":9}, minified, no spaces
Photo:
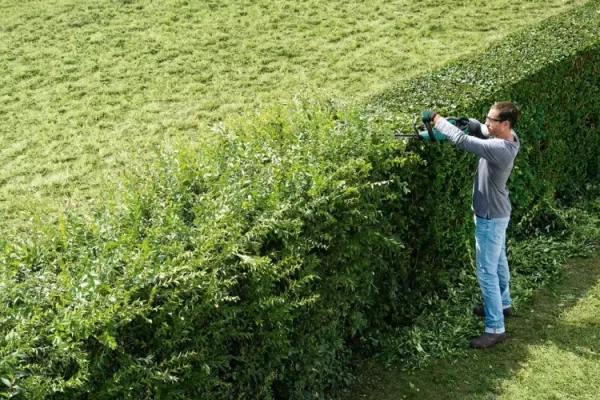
{"x":507,"y":111}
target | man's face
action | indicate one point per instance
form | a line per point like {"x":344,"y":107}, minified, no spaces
{"x":493,"y":122}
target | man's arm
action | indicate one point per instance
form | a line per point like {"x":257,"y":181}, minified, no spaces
{"x":491,"y":150}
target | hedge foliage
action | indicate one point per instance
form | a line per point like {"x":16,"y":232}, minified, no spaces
{"x":259,"y":264}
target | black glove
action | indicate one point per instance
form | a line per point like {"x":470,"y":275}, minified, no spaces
{"x":428,"y":115}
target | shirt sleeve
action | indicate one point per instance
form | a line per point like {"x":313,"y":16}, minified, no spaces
{"x":492,"y":150}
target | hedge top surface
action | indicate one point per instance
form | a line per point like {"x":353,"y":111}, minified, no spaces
{"x":483,"y":76}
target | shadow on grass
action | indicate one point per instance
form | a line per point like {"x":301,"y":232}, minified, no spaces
{"x":478,"y":374}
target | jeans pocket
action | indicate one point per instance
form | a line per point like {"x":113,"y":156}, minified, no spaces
{"x":498,"y":235}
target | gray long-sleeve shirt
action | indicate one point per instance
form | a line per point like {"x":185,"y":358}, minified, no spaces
{"x":495,"y":163}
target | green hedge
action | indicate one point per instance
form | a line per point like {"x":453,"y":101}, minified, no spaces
{"x":259,"y":264}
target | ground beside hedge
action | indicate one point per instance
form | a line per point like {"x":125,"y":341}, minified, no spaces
{"x":551,"y":352}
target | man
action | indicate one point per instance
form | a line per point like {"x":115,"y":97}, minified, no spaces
{"x":492,"y":208}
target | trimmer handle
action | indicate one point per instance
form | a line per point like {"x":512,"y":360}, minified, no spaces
{"x":430,"y":131}
{"x":427,"y":126}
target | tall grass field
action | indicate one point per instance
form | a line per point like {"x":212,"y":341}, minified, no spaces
{"x":89,"y":90}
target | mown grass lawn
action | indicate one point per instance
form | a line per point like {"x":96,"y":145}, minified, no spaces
{"x":89,"y":90}
{"x":552,"y":353}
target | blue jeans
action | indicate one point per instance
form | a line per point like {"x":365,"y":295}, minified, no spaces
{"x":492,"y":270}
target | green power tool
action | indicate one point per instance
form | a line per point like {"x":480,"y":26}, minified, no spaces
{"x":469,"y":126}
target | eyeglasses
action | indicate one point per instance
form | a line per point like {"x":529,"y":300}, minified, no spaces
{"x":494,"y":119}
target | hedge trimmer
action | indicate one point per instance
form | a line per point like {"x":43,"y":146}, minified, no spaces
{"x":468,"y":125}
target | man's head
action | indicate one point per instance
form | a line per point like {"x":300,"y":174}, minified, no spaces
{"x":501,"y":118}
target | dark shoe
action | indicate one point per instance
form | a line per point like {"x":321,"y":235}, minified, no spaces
{"x":480,"y":311}
{"x":487,"y":340}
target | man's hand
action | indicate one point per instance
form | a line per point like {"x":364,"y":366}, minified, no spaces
{"x":428,"y":115}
